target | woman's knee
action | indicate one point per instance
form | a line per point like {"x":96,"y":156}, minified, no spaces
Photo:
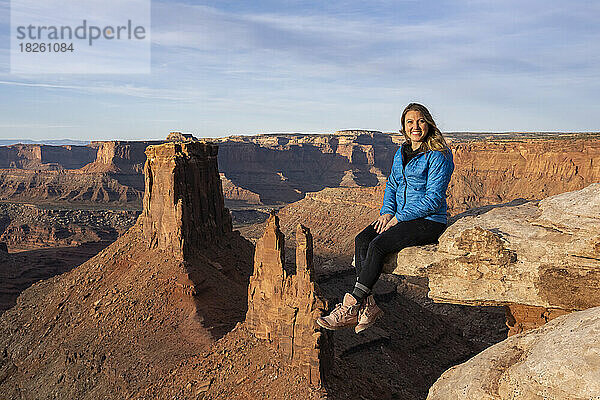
{"x":364,"y":237}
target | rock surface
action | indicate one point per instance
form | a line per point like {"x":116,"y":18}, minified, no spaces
{"x":45,"y":157}
{"x":543,"y":254}
{"x":27,"y":226}
{"x":180,"y":137}
{"x":557,"y":361}
{"x":117,"y":325}
{"x":541,"y":259}
{"x":183,"y":201}
{"x":283,"y":308}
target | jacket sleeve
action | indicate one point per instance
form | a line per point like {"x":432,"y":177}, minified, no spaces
{"x":439,"y":172}
{"x":389,"y":197}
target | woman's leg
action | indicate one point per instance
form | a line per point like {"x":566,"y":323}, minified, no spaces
{"x":361,"y":245}
{"x":404,"y":234}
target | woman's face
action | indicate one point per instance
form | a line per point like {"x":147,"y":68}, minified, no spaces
{"x":415,"y":126}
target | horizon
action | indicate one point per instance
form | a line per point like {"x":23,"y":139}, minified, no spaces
{"x":229,"y":68}
{"x":77,"y":142}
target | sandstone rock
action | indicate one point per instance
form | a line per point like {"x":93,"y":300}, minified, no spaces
{"x":283,"y":308}
{"x":490,"y":169}
{"x":180,"y":137}
{"x":540,"y":254}
{"x":283,"y":167}
{"x":557,"y":361}
{"x":45,"y":157}
{"x":335,"y":216}
{"x":26,"y":226}
{"x":183,"y":202}
{"x":68,"y":187}
{"x":233,"y":192}
{"x":496,"y":172}
{"x":149,"y":303}
{"x":121,"y":157}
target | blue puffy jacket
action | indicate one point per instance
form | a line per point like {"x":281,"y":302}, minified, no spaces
{"x":419,"y":189}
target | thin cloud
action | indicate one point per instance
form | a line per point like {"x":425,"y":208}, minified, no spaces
{"x":125,"y":90}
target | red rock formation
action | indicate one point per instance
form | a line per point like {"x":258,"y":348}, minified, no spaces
{"x":282,"y":168}
{"x":282,"y":309}
{"x":236,"y":193}
{"x":118,"y":324}
{"x":497,"y":172}
{"x":335,"y":216}
{"x":68,"y":187}
{"x":180,"y":137}
{"x":183,"y":202}
{"x":45,"y":157}
{"x":521,"y":318}
{"x":119,"y":157}
{"x":26,"y":226}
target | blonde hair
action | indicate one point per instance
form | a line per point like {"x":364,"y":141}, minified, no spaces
{"x":434,"y":140}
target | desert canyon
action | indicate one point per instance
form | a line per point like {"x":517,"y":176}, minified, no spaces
{"x":195,"y":268}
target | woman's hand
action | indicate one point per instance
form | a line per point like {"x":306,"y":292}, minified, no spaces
{"x":390,"y":223}
{"x":380,"y":223}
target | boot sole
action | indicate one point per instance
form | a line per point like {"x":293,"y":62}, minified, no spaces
{"x":331,"y":328}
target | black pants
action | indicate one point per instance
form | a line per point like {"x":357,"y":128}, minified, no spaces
{"x":370,"y":248}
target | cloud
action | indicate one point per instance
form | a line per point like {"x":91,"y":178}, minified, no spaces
{"x":480,"y":37}
{"x":125,"y":90}
{"x":39,"y":126}
{"x":323,"y":65}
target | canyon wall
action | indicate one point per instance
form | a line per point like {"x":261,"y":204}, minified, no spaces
{"x":281,"y":168}
{"x":45,"y":157}
{"x":497,"y":172}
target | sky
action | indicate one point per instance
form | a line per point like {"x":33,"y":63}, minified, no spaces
{"x":224,"y":67}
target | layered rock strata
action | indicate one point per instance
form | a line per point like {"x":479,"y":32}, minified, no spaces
{"x":537,"y":254}
{"x":282,"y":168}
{"x":117,"y":325}
{"x":282,"y":308}
{"x":45,"y":157}
{"x":496,"y":172}
{"x":557,"y":361}
{"x":180,"y":137}
{"x":183,"y":201}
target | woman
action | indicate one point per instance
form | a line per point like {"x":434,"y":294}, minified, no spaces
{"x":413,"y":214}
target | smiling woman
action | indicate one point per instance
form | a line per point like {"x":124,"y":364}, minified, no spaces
{"x":413,"y":213}
{"x":416,"y":122}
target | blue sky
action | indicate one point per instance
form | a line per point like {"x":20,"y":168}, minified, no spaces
{"x":227,"y":67}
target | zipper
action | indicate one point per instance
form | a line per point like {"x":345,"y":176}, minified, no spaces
{"x":404,"y":173}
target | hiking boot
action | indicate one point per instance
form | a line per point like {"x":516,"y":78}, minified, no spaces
{"x":345,"y":314}
{"x":368,"y":314}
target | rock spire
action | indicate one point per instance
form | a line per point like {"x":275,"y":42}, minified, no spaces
{"x":183,"y":204}
{"x":282,"y":309}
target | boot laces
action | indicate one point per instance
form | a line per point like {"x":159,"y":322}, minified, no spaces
{"x":339,"y":311}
